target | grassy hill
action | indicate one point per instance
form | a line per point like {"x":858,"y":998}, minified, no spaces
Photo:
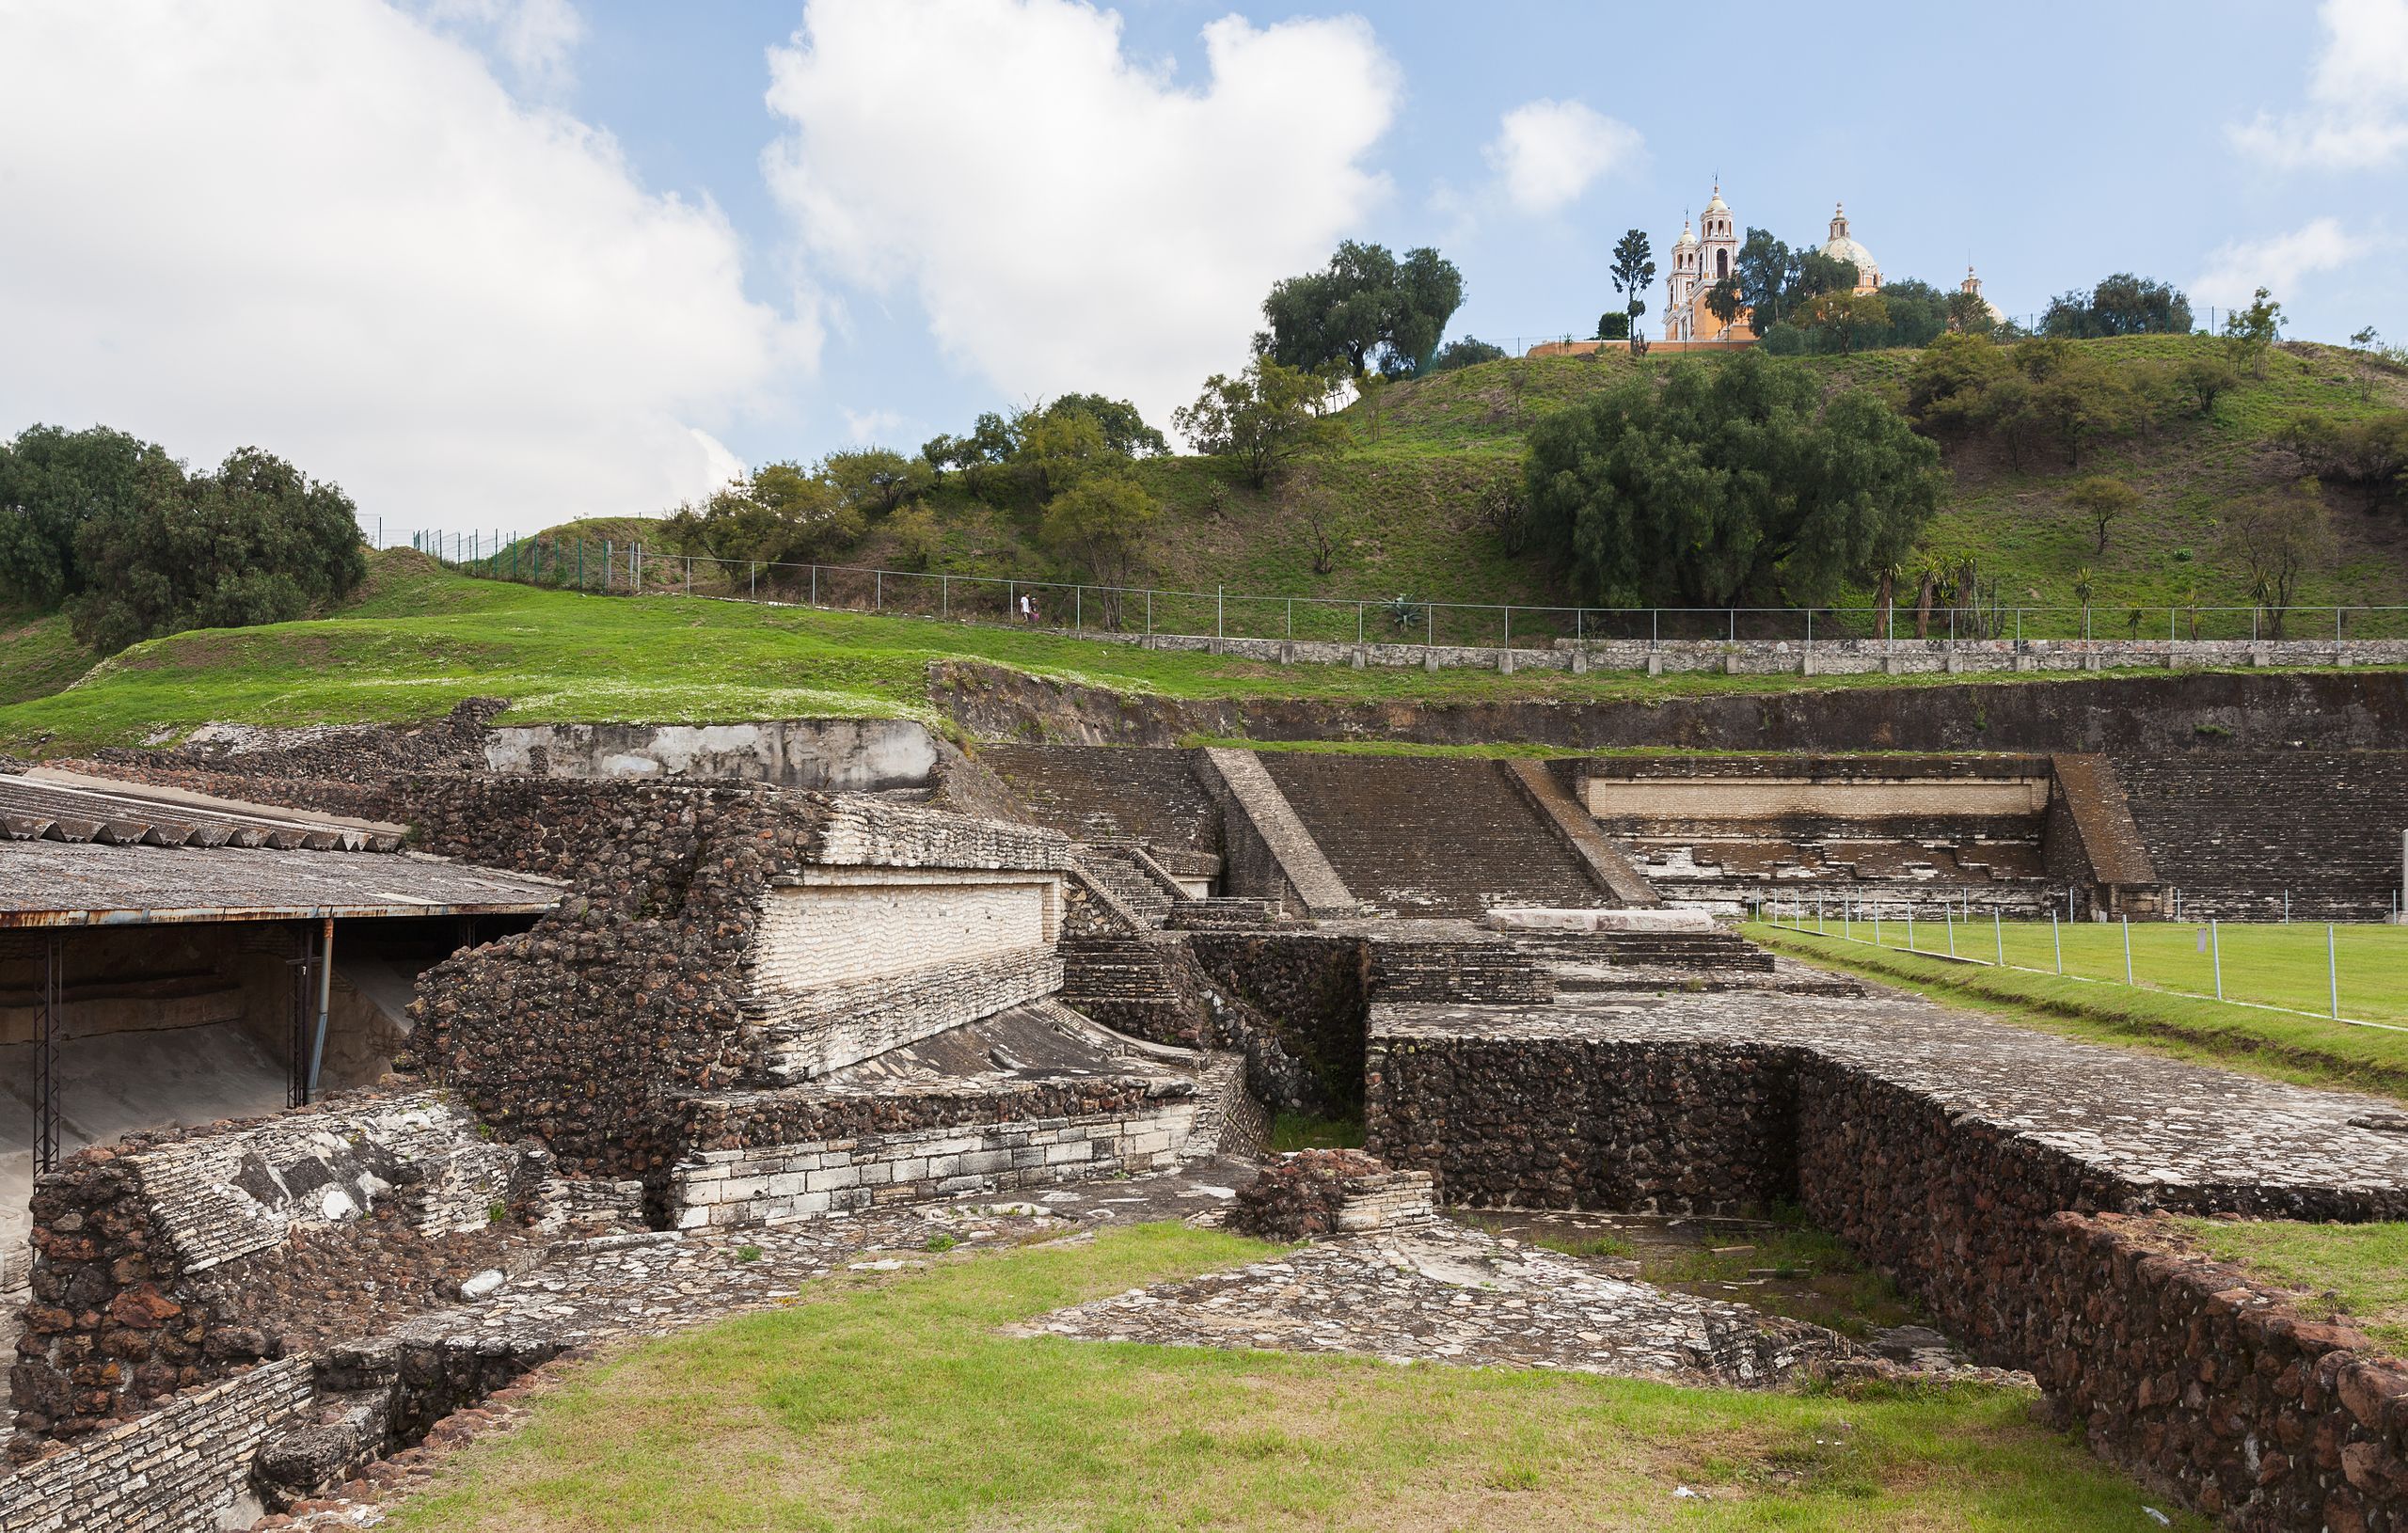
{"x":423,"y":637}
{"x":1396,"y":496}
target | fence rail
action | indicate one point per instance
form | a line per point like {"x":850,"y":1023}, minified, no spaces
{"x":609,"y":567}
{"x":1962,"y":940}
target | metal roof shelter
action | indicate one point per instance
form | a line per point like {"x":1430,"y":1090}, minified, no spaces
{"x":80,"y":852}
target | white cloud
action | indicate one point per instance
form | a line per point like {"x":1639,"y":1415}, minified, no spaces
{"x":2236,"y":271}
{"x":1070,"y":218}
{"x":536,"y":38}
{"x":2357,"y":113}
{"x":864,"y":427}
{"x":1547,"y":153}
{"x":326,"y":230}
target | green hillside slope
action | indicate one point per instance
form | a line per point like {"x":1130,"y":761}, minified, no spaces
{"x":1398,"y":498}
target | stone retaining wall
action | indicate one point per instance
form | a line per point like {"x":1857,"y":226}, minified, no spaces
{"x":1791,"y":656}
{"x":759,"y":1157}
{"x":183,"y":1467}
{"x":1585,"y":1123}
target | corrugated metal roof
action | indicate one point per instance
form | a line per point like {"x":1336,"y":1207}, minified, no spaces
{"x":52,"y":883}
{"x":46,"y":805}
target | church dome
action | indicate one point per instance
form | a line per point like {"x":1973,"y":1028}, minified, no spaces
{"x":1687,"y":237}
{"x":1842,"y":246}
{"x":1717,"y":205}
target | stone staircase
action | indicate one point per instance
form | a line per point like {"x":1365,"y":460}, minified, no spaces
{"x":1430,"y":836}
{"x":2233,"y":830}
{"x":1705,"y":951}
{"x":1105,"y":793}
{"x":1131,"y":985}
{"x":1474,"y":974}
{"x":1114,"y":865}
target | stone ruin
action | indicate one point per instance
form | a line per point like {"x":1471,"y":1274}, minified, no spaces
{"x":769,"y":1014}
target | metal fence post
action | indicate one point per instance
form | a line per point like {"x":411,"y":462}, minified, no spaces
{"x":877,"y":590}
{"x":1216,"y":611}
{"x":2215,"y":955}
{"x":2056,"y":939}
{"x":945,"y":597}
{"x":1998,"y":934}
{"x":2332,"y":971}
{"x":815,"y":585}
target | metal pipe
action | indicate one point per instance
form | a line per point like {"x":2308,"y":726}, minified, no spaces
{"x":326,"y":998}
{"x":54,"y":988}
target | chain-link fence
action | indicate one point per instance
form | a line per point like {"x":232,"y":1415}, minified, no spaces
{"x":606,"y":566}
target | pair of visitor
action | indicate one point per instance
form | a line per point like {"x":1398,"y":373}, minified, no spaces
{"x":1028,"y":608}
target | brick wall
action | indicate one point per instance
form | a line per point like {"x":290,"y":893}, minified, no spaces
{"x":181,"y":1468}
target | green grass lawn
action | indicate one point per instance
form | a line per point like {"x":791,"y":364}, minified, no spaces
{"x":2311,"y":1050}
{"x":897,"y":1405}
{"x":2359,"y":1270}
{"x":2267,"y":964}
{"x":422,"y":637}
{"x":37,"y":655}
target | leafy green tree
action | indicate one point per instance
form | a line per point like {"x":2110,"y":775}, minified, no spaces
{"x":1722,"y":300}
{"x":1125,"y":431}
{"x":255,"y":542}
{"x":1844,"y":321}
{"x":1100,"y":524}
{"x":2204,"y":378}
{"x":2365,"y":345}
{"x":1463,"y":352}
{"x":1968,"y":315}
{"x":2253,"y":331}
{"x":941,"y":452}
{"x":1918,"y":312}
{"x":1633,"y":272}
{"x":1613,"y":324}
{"x":2068,"y":394}
{"x":782,"y":513}
{"x":1366,"y":308}
{"x":2102,"y":502}
{"x":1766,"y":270}
{"x":876,"y":480}
{"x":52,"y":483}
{"x":1261,"y":419}
{"x":2121,"y":305}
{"x":2369,"y":454}
{"x":1726,"y":482}
{"x":2280,"y":538}
{"x":1055,"y":452}
{"x":1948,"y":393}
{"x":918,"y":541}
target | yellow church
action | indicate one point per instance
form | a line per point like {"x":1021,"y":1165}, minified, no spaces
{"x":1706,"y":257}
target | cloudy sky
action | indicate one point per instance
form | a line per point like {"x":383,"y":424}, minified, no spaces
{"x":500,"y":263}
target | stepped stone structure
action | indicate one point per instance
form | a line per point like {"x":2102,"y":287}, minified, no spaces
{"x":735,"y":1015}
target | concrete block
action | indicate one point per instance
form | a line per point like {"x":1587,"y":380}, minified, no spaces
{"x":1430,"y":660}
{"x":1654,"y":663}
{"x":1358,"y":661}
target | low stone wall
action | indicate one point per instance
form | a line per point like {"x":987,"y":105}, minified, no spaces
{"x":1786,"y":656}
{"x":767,"y":1157}
{"x":183,"y":1467}
{"x":1587,"y":1123}
{"x":834,"y":755}
{"x":1315,"y":1193}
{"x":146,"y":1252}
{"x":2199,"y":1380}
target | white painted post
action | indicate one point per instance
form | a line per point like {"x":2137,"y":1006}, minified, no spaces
{"x":1998,"y":933}
{"x":1910,"y":928}
{"x":2215,"y":955}
{"x":2057,"y":939}
{"x":2332,"y":971}
{"x":2128,"y":950}
{"x":1948,"y":919}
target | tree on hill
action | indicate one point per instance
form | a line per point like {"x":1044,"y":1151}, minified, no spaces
{"x":1727,"y":482}
{"x":782,"y":513}
{"x":877,"y":480}
{"x":1633,"y":270}
{"x":2254,"y":330}
{"x":1260,"y":418}
{"x":2204,"y":378}
{"x":1613,"y":324}
{"x":1367,"y":308}
{"x":1463,"y":352}
{"x":1100,"y":524}
{"x":1765,"y":270}
{"x":255,"y":542}
{"x":2102,"y":502}
{"x":2369,"y":454}
{"x":1949,"y":391}
{"x":2121,"y":305}
{"x":1125,"y":431}
{"x":52,"y":483}
{"x":2280,"y":538}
